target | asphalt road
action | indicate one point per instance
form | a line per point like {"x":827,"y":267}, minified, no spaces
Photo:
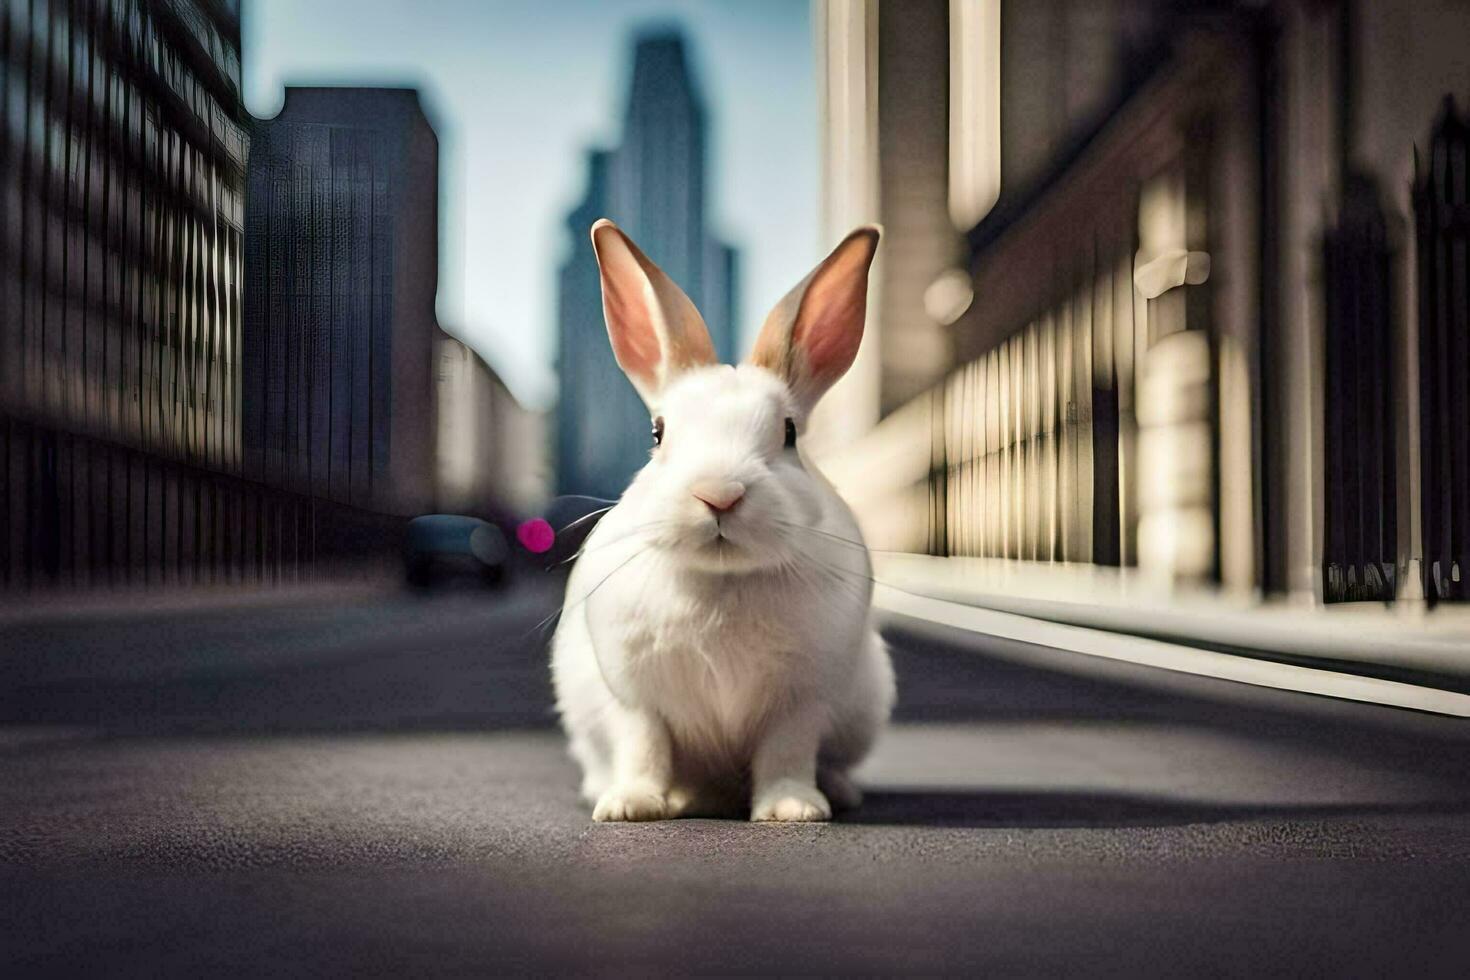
{"x":370,"y":785}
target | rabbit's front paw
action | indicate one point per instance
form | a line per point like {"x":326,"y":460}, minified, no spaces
{"x":791,"y":802}
{"x":630,"y":803}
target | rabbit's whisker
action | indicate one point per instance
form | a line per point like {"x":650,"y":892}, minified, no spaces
{"x":584,"y":550}
{"x":837,"y":537}
{"x":540,"y":627}
{"x":854,"y":582}
{"x":816,"y":530}
{"x":610,"y":501}
{"x":853,"y":575}
{"x":585,"y":518}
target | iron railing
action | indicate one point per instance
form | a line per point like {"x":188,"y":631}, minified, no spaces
{"x":1360,"y":534}
{"x":1442,"y":220}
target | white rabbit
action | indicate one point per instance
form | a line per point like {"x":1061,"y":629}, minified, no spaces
{"x":716,"y":654}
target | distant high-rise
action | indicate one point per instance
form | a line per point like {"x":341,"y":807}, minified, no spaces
{"x":341,"y":267}
{"x":653,"y":185}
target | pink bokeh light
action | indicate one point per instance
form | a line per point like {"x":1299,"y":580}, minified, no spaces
{"x":536,"y":535}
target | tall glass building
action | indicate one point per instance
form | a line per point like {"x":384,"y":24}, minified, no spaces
{"x":341,"y":268}
{"x":653,"y":185}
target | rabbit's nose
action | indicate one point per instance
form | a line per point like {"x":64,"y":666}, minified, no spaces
{"x":719,"y":495}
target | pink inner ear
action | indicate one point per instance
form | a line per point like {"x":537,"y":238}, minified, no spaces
{"x":630,"y":328}
{"x":830,"y":328}
{"x":829,"y":323}
{"x":625,"y":304}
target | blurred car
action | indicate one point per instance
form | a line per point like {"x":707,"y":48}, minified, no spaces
{"x":440,"y":548}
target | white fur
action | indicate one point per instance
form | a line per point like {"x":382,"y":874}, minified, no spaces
{"x":708,"y":667}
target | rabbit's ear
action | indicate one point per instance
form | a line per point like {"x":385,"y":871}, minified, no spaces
{"x":812,"y":335}
{"x":655,"y":330}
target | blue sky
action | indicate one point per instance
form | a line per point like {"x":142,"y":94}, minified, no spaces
{"x":518,"y":90}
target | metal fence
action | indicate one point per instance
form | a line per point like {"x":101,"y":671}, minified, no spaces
{"x":1442,"y":212}
{"x":1360,"y":526}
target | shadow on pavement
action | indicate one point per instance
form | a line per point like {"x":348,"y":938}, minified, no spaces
{"x":1030,"y":810}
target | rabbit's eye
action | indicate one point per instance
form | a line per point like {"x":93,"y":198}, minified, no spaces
{"x":658,"y":431}
{"x":790,"y":433}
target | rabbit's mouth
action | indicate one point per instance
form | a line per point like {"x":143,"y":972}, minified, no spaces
{"x":724,"y":552}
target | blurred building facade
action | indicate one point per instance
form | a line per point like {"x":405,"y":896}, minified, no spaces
{"x":490,"y":449}
{"x":653,"y":185}
{"x":122,"y":179}
{"x":1215,"y":321}
{"x":341,"y":268}
{"x":160,"y":422}
{"x":885,"y":137}
{"x":351,"y":392}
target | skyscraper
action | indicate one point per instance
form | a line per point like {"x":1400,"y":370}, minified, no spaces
{"x":341,"y":267}
{"x":653,"y":185}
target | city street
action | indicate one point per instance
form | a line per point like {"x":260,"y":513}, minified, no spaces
{"x":371,"y":783}
{"x":1122,"y":347}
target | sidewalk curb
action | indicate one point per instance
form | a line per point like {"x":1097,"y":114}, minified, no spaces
{"x":1178,"y":657}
